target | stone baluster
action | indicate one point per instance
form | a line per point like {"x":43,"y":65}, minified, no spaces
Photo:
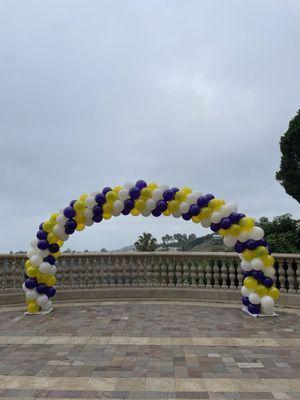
{"x":216,"y":274}
{"x":224,"y":274}
{"x":134,"y":273}
{"x":208,"y":274}
{"x":232,"y":274}
{"x":201,"y":274}
{"x":297,"y":268}
{"x":9,"y":278}
{"x":239,"y":275}
{"x":64,"y":273}
{"x":171,"y":273}
{"x":178,"y":272}
{"x":186,"y":274}
{"x":163,"y":264}
{"x":117,"y":269}
{"x":126,"y":271}
{"x":2,"y":274}
{"x":96,"y":273}
{"x":291,"y":277}
{"x":150,"y":272}
{"x":89,"y":273}
{"x":104,"y":274}
{"x":156,"y":272}
{"x":282,"y":276}
{"x":142,"y":272}
{"x":194,"y":273}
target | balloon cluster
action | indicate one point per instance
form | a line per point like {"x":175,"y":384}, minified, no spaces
{"x":238,"y":232}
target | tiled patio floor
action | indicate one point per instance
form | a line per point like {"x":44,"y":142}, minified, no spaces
{"x":149,"y":350}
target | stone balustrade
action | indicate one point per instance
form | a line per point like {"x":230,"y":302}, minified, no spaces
{"x":150,"y":270}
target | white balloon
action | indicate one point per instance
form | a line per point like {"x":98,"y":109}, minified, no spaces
{"x":229,"y":240}
{"x":146,"y":213}
{"x":89,"y":222}
{"x":45,"y":268}
{"x":60,"y":233}
{"x":116,"y":213}
{"x":269,"y":272}
{"x":184,"y":207}
{"x":123,"y":194}
{"x":150,"y":204}
{"x":118,"y":206}
{"x":206,"y":223}
{"x":90,"y":202}
{"x":246,"y":266}
{"x":88,"y":213}
{"x":192,"y":198}
{"x":61,"y":220}
{"x":43,"y":253}
{"x":31,"y":294}
{"x":47,"y":306}
{"x":157,"y":194}
{"x":243,"y":236}
{"x":128,"y":185}
{"x":267,"y":305}
{"x":245,"y":291}
{"x":164,"y":187}
{"x":24,"y":288}
{"x":177,"y":214}
{"x":36,"y":260}
{"x":34,"y":243}
{"x":254,"y":298}
{"x":53,"y":270}
{"x":256,"y":263}
{"x":225,"y":210}
{"x":30,"y":253}
{"x":216,"y":217}
{"x":42,"y":299}
{"x":232,"y":206}
{"x":256,"y":233}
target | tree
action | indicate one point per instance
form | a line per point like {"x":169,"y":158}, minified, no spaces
{"x":289,"y":173}
{"x":146,"y":242}
{"x":282,"y":234}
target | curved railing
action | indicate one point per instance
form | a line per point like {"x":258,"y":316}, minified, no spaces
{"x":196,"y":270}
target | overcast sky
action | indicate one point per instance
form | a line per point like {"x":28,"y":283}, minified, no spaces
{"x":98,"y":93}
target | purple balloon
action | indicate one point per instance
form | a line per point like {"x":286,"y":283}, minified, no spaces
{"x":168,"y":195}
{"x":129,"y":204}
{"x":53,"y":247}
{"x":175,"y":190}
{"x":134,"y":193}
{"x":202,"y":201}
{"x":42,"y":235}
{"x":258,"y":275}
{"x":69,"y":231}
{"x":100,"y":198}
{"x":245,"y":301}
{"x":140,"y":184}
{"x":31,"y":283}
{"x":254,"y":308}
{"x":43,"y":244}
{"x":126,"y":211}
{"x":225,"y":223}
{"x":246,"y":274}
{"x":72,"y":203}
{"x":41,"y":288}
{"x":97,"y":218}
{"x":239,"y":247}
{"x":194,"y":210}
{"x":97,"y":210}
{"x":187,"y":216}
{"x":71,"y":224}
{"x":215,"y":227}
{"x":51,"y":291}
{"x":41,"y":226}
{"x":251,"y":244}
{"x":156,"y":213}
{"x":234,"y":218}
{"x":209,"y":197}
{"x":106,"y":189}
{"x":49,"y":259}
{"x":69,"y":212}
{"x":268,"y":282}
{"x":161,"y":206}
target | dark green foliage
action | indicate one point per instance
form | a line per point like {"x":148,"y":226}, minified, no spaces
{"x":146,"y":242}
{"x":289,"y":173}
{"x":282,"y":233}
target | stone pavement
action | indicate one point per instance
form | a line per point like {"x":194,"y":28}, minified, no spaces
{"x":149,"y":350}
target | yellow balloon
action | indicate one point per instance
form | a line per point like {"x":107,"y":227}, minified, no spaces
{"x":261,"y":251}
{"x":250,"y":283}
{"x":42,"y":278}
{"x":48,"y":226}
{"x":146,"y":193}
{"x":205,"y":213}
{"x":248,"y":255}
{"x":196,"y":219}
{"x":52,"y":238}
{"x":117,"y":189}
{"x":28,"y":264}
{"x":167,"y":213}
{"x":58,"y":253}
{"x":274,"y":292}
{"x":53,"y":218}
{"x":180,"y":196}
{"x":111,"y":196}
{"x":60,"y":243}
{"x":83,"y":197}
{"x":261,"y":290}
{"x":246,"y":223}
{"x":173,"y":206}
{"x":235,"y":230}
{"x":268,"y":261}
{"x":79,"y":227}
{"x":186,"y":190}
{"x":79,"y":205}
{"x":51,"y":280}
{"x":107,"y":215}
{"x":214,"y":204}
{"x":32,"y":307}
{"x":224,"y":232}
{"x":135,"y":212}
{"x":140,"y":204}
{"x":80,"y":218}
{"x":152,"y":186}
{"x":31,"y":272}
{"x":107,"y":208}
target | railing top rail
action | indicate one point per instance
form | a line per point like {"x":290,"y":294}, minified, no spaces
{"x":156,"y":254}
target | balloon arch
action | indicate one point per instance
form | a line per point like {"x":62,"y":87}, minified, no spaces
{"x":238,"y":232}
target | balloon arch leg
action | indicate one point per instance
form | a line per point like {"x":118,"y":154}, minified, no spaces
{"x":238,"y":232}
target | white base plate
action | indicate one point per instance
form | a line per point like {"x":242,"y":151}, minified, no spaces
{"x":39,"y":312}
{"x":258,"y":315}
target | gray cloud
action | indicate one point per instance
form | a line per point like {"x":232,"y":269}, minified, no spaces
{"x":99,"y":93}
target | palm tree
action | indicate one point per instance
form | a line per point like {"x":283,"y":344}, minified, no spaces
{"x":146,"y":242}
